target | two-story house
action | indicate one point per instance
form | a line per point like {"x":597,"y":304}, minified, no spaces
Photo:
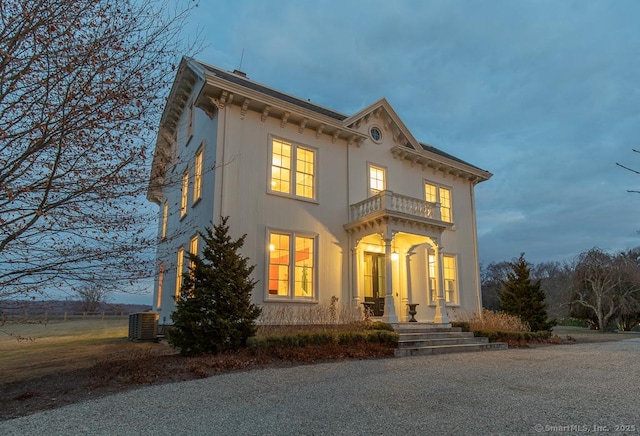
{"x":346,"y":206}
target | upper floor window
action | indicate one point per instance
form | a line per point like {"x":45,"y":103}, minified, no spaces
{"x":184,"y":193}
{"x":193,"y":249}
{"x":441,"y":195}
{"x":165,"y":218}
{"x":377,"y":179}
{"x":293,"y":170}
{"x":197,"y":176}
{"x":291,"y":256}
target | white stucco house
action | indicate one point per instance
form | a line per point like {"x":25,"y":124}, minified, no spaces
{"x":333,"y":205}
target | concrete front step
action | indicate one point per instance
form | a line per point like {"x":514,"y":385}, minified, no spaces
{"x":420,"y":339}
{"x":444,"y":349}
{"x":408,"y":343}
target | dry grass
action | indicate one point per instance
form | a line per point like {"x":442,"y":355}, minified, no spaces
{"x":31,"y":350}
{"x":494,"y":321}
{"x":276,"y":320}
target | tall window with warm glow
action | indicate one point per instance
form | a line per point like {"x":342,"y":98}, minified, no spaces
{"x":442,"y":195}
{"x":450,"y":279}
{"x":291,"y":256}
{"x":281,"y":167}
{"x":279,"y":264}
{"x":165,"y":218}
{"x":376,"y":180}
{"x":179,"y":270}
{"x":289,"y":159}
{"x":184,"y":194}
{"x":193,"y":249}
{"x":197,"y":176}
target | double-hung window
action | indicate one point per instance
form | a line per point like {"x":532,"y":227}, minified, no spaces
{"x":450,"y":274}
{"x":197,"y":176}
{"x":165,"y":218}
{"x":442,"y":195}
{"x":179,"y":270}
{"x":293,"y":170}
{"x":160,"y":285}
{"x":377,"y":180}
{"x":193,"y":249}
{"x":292,"y":261}
{"x":184,"y":193}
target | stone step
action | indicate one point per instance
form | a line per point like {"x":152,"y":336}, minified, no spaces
{"x":404,"y":343}
{"x":434,"y":335}
{"x":411,"y":327}
{"x":445,"y":349}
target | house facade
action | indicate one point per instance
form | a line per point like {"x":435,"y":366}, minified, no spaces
{"x":340,"y":206}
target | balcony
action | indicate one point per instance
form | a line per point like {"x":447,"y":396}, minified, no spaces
{"x":400,"y":210}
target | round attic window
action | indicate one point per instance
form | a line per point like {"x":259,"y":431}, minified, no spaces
{"x":376,"y":134}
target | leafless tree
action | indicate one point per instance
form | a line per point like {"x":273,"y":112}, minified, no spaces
{"x":606,"y":285}
{"x":82,"y":86}
{"x":92,"y":296}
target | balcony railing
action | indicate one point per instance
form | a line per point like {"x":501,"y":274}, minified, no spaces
{"x":387,"y":201}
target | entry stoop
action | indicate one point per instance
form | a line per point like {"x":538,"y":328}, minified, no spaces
{"x":421,"y":339}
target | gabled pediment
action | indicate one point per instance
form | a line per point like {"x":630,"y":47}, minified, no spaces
{"x":384,"y":115}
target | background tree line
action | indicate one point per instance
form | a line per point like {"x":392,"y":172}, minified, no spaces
{"x":598,"y":287}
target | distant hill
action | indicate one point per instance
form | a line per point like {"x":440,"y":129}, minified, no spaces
{"x":13,"y":308}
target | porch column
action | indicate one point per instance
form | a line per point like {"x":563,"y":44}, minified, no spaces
{"x":354,"y":275}
{"x":390,"y":315}
{"x":441,"y":310}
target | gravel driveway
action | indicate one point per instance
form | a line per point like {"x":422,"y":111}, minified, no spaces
{"x":555,"y":389}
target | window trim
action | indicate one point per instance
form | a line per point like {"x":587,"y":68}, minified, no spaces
{"x":440,"y":186}
{"x":371,"y":165}
{"x":456,"y":271}
{"x":295,"y":145}
{"x":179,"y":270}
{"x":290,"y":297}
{"x":184,"y":193}
{"x":165,"y":220}
{"x":198,"y":165}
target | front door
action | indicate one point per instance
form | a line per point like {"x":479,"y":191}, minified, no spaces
{"x":374,"y":283}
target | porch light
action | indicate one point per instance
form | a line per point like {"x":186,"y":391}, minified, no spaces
{"x":394,"y":255}
{"x":272,"y":247}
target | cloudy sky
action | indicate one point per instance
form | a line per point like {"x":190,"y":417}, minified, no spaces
{"x":544,"y":94}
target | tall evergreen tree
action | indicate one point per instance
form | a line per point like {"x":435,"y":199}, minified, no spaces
{"x":214,"y":310}
{"x":524,"y":298}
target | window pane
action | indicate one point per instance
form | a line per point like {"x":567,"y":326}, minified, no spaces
{"x":450,"y":279}
{"x":281,"y":167}
{"x":165,"y":217}
{"x":432,"y":278}
{"x":376,"y":180}
{"x":304,"y":172}
{"x":197,"y":178}
{"x":304,"y":267}
{"x":279,"y":264}
{"x":184,"y":196}
{"x":179,"y":270}
{"x":445,"y":204}
{"x":430,"y":193}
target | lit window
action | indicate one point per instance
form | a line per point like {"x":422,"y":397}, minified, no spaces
{"x":197,"y":176}
{"x":160,"y":284}
{"x":442,"y":196}
{"x":281,"y":167}
{"x":450,"y":281}
{"x":376,"y":180}
{"x":165,"y":217}
{"x":179,"y":271}
{"x":193,"y":249}
{"x":304,"y":172}
{"x":184,"y":193}
{"x":288,"y":159}
{"x":291,"y":255}
{"x":450,"y":288}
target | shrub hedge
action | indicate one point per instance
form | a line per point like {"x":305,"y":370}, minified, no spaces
{"x":381,"y":336}
{"x":497,"y":336}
